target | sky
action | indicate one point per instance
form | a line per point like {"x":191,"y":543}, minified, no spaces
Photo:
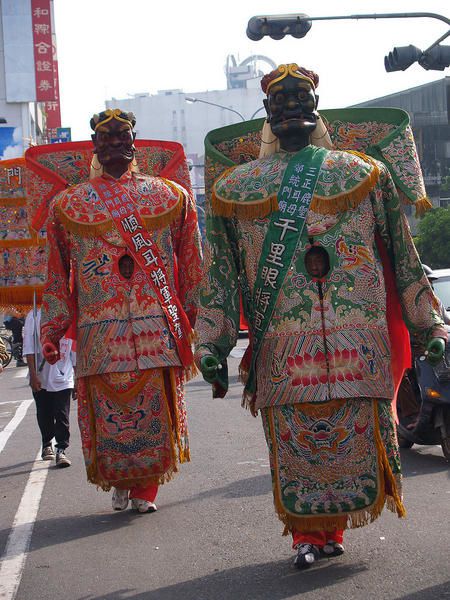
{"x":114,"y":49}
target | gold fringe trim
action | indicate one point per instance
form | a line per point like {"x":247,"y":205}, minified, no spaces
{"x":15,"y":310}
{"x":175,"y":426}
{"x":120,"y":396}
{"x":11,"y":201}
{"x":184,"y":454}
{"x":243,"y":374}
{"x":98,"y":229}
{"x":323,"y":205}
{"x":354,"y":519}
{"x":386,"y":471}
{"x":330,"y":205}
{"x":93,"y":477}
{"x":19,"y":297}
{"x":34,"y":240}
{"x":190,"y":372}
{"x":83,"y":229}
{"x":255,"y":209}
{"x":422,"y":206}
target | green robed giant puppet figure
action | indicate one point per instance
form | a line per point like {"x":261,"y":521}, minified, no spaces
{"x":297,"y":231}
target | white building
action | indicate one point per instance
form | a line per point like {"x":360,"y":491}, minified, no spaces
{"x":168,"y":116}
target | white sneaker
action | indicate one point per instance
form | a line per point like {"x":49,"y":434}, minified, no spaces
{"x":119,"y":499}
{"x":143,"y":506}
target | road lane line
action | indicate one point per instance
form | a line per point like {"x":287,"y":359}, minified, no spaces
{"x":14,"y":423}
{"x":13,"y":561}
{"x":20,"y":373}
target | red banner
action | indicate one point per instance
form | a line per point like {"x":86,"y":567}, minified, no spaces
{"x":52,"y":107}
{"x":44,"y":68}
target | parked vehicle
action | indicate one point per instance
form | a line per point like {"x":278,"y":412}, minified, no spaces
{"x":423,"y":402}
{"x":442,"y":285}
{"x":423,"y":405}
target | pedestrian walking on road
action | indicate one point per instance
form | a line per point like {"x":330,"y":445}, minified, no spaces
{"x":130,"y":244}
{"x":52,"y":387}
{"x":296,"y":231}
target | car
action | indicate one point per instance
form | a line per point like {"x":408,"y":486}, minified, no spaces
{"x":442,"y":285}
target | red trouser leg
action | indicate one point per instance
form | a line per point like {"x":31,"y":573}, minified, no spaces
{"x":147,"y":492}
{"x":318,"y":538}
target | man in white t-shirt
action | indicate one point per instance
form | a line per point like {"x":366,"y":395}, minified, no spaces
{"x":52,"y":387}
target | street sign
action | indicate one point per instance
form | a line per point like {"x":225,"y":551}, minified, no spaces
{"x":64,"y":134}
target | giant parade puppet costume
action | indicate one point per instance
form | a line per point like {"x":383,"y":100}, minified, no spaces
{"x":300,"y":233}
{"x":124,"y":265}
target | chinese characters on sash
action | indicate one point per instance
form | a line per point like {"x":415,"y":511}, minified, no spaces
{"x":294,"y":200}
{"x":130,"y":225}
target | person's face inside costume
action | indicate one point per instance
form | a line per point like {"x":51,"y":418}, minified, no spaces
{"x":126,"y":266}
{"x":317,"y":262}
{"x":114,"y":146}
{"x":291,"y":111}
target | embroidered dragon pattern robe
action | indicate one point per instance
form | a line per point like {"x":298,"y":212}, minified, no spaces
{"x":317,"y":355}
{"x":130,"y":375}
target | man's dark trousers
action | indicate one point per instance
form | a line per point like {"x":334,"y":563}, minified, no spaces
{"x":52,"y":411}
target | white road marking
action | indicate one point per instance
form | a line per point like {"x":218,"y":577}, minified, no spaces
{"x":13,"y":561}
{"x":20,"y":373}
{"x":14,"y":423}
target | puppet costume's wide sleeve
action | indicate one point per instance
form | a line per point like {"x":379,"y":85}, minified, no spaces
{"x":57,"y":303}
{"x":419,"y":304}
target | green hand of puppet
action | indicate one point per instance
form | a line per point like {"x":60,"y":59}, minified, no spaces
{"x":435,"y":350}
{"x":216,"y":373}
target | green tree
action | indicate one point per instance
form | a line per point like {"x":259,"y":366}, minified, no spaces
{"x":433,"y":238}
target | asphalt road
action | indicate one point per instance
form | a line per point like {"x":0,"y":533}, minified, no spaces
{"x":215,"y":535}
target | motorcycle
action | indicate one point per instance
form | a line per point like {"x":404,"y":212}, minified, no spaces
{"x":423,"y":405}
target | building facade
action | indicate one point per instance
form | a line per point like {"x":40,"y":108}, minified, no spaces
{"x":429,"y":109}
{"x":29,"y":95}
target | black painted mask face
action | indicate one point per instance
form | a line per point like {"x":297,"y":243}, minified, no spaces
{"x":317,"y":262}
{"x":114,"y":143}
{"x":126,"y":266}
{"x":291,"y":110}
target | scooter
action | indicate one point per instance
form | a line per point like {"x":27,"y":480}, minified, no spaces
{"x":423,"y":405}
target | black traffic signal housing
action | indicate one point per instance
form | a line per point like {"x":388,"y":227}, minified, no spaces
{"x":277,"y":26}
{"x":401,"y":58}
{"x":436,"y":59}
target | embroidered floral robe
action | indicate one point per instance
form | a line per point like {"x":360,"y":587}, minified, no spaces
{"x":354,"y":200}
{"x":120,"y":324}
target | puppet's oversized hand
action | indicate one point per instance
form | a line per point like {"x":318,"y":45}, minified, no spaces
{"x":435,"y":350}
{"x":216,"y":373}
{"x":50,"y":353}
{"x":209,"y":366}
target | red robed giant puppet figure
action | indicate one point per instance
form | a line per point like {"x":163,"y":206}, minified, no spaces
{"x":124,"y":262}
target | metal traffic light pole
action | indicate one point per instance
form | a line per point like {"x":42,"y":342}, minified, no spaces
{"x":277,"y":26}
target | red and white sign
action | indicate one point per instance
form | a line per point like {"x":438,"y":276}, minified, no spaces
{"x":52,"y":107}
{"x":44,"y":68}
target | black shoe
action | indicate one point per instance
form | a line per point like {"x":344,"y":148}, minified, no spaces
{"x":21,"y":363}
{"x":61,"y":459}
{"x":332,"y":548}
{"x":307,"y":555}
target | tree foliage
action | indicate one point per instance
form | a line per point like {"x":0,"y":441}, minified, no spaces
{"x":433,"y":238}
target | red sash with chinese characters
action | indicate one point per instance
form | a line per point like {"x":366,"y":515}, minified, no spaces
{"x":130,"y":226}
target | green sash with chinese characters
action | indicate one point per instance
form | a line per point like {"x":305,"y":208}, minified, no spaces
{"x":282,"y":237}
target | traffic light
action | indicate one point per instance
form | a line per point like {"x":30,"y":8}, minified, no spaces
{"x":277,"y":26}
{"x":436,"y":59}
{"x":401,"y":58}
